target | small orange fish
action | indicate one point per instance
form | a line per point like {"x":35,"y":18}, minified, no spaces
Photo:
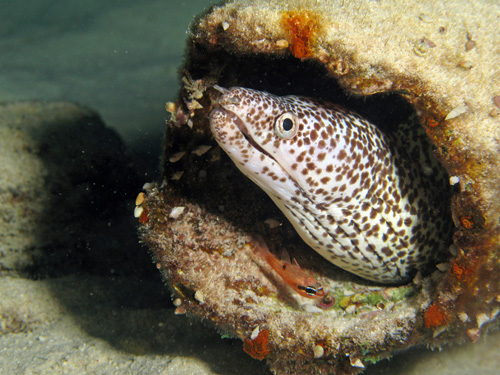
{"x":301,"y":281}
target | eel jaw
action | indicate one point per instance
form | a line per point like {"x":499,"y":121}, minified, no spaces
{"x":221,"y":101}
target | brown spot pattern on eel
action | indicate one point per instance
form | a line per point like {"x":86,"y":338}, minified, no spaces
{"x":342,"y":183}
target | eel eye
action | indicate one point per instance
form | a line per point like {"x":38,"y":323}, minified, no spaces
{"x":286,"y":125}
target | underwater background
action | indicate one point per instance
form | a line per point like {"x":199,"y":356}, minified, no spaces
{"x":121,"y":59}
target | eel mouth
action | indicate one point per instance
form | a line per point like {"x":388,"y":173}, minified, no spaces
{"x":240,"y":124}
{"x":220,"y":101}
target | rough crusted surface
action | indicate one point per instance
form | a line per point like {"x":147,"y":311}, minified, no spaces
{"x":240,"y":293}
{"x":442,"y":59}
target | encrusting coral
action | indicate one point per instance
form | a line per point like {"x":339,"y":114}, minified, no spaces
{"x":432,"y":65}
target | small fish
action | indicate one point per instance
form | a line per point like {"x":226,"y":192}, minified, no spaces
{"x":352,"y":192}
{"x":300,"y":280}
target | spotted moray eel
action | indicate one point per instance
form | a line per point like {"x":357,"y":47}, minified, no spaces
{"x":347,"y":189}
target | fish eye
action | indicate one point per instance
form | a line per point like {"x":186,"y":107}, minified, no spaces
{"x":312,"y":291}
{"x":286,"y":125}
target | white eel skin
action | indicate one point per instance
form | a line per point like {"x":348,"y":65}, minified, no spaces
{"x":349,"y":192}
